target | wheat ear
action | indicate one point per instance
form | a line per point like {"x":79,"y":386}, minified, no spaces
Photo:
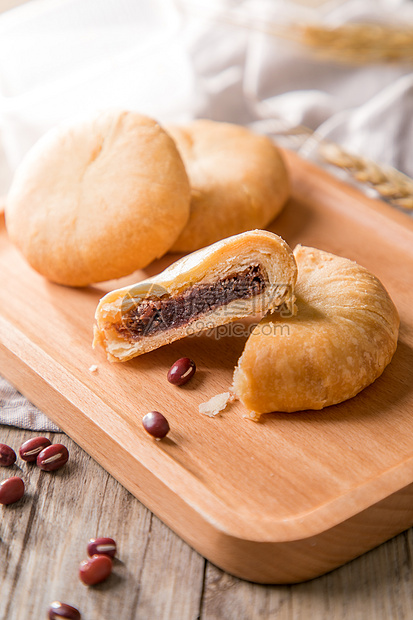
{"x":358,"y":43}
{"x":391,"y":185}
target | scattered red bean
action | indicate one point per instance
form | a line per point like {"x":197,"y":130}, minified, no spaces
{"x":181,"y":371}
{"x":11,"y":490}
{"x":7,"y":455}
{"x":53,"y":457}
{"x":155,"y":424}
{"x":30,"y":449}
{"x":95,"y":569}
{"x":59,"y":610}
{"x":101,"y":546}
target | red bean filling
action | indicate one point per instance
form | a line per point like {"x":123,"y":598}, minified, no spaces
{"x":158,"y":314}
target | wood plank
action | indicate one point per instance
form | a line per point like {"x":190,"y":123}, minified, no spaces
{"x":15,"y":526}
{"x":252,"y":498}
{"x":44,"y":538}
{"x":171,"y":580}
{"x":377,"y":585}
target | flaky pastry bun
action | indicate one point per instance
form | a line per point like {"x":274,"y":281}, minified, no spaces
{"x":97,"y":198}
{"x":238,"y":181}
{"x":243,"y":275}
{"x":340,"y":340}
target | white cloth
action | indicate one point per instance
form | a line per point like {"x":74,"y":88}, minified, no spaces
{"x":15,"y":410}
{"x":178,"y":60}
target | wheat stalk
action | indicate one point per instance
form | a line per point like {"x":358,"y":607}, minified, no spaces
{"x":358,"y":43}
{"x":392,"y":185}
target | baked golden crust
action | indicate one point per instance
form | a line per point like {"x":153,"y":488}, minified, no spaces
{"x":98,"y":198}
{"x":238,"y":181}
{"x":343,"y":336}
{"x":224,"y":260}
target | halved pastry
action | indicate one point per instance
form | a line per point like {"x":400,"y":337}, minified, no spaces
{"x":340,"y":340}
{"x":243,"y":275}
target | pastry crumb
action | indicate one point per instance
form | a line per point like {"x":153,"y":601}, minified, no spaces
{"x":216,"y":404}
{"x":93,"y":368}
{"x":232,"y":397}
{"x":252,"y":415}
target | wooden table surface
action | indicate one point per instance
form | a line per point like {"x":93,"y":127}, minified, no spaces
{"x":157,"y":576}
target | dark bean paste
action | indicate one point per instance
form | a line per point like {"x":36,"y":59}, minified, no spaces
{"x":156,"y":314}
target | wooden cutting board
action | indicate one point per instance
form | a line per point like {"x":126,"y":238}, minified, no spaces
{"x":280,"y":501}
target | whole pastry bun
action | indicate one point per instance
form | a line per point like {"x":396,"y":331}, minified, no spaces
{"x":238,"y":181}
{"x":98,"y":198}
{"x":340,"y":340}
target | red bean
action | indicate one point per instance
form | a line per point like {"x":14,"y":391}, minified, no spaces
{"x":95,"y":569}
{"x":181,"y":371}
{"x":53,"y":457}
{"x":32,"y":447}
{"x":59,"y":610}
{"x":7,"y":455}
{"x":11,"y":490}
{"x":156,"y":424}
{"x":101,"y":546}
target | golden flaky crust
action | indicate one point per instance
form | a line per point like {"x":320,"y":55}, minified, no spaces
{"x":224,"y":258}
{"x":238,"y":181}
{"x":343,"y":336}
{"x":98,"y":198}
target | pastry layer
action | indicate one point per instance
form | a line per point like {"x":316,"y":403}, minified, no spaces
{"x":340,"y":340}
{"x":243,"y":275}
